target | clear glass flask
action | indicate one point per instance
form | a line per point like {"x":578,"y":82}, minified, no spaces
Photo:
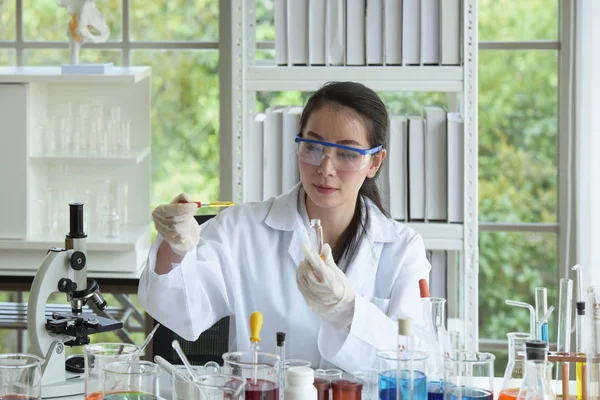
{"x":515,"y":369}
{"x":537,"y":383}
{"x":435,"y":343}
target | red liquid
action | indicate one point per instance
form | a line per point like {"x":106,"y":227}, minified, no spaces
{"x":94,"y":396}
{"x":509,"y":394}
{"x":18,"y":397}
{"x":262,"y":390}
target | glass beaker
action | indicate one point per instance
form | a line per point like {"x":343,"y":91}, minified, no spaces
{"x":537,"y":381}
{"x":513,"y":376}
{"x":260,"y":370}
{"x":394,"y":367}
{"x":20,"y":376}
{"x":369,"y":379}
{"x":328,"y":374}
{"x":183,"y":386}
{"x":130,"y":380}
{"x":436,"y":341}
{"x":96,"y":356}
{"x":469,"y":375}
{"x":218,"y":387}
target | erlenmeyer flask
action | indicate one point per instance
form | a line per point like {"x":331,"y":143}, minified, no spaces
{"x":537,"y":383}
{"x":435,"y":343}
{"x":513,"y":376}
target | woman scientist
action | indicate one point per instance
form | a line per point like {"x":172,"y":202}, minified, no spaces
{"x":252,"y":258}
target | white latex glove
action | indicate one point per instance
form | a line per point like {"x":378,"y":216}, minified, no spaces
{"x":176,"y":223}
{"x":325,"y":287}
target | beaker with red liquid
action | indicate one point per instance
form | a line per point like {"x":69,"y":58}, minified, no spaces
{"x":20,"y":376}
{"x":260,"y":370}
{"x":513,"y":376}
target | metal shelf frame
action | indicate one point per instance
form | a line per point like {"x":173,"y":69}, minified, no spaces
{"x":242,"y":77}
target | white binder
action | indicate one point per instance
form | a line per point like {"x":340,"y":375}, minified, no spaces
{"x":416,"y":168}
{"x":290,"y":174}
{"x":272,"y":152}
{"x":281,"y":34}
{"x":456,"y":170}
{"x":253,"y":159}
{"x":398,"y":167}
{"x":435,"y":163}
{"x":355,"y":32}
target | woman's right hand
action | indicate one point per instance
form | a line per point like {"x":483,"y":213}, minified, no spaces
{"x":176,"y":223}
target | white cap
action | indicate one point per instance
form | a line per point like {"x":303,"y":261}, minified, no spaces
{"x":405,"y":326}
{"x":300,"y":375}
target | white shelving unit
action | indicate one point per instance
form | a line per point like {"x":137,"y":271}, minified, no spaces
{"x":29,"y":97}
{"x":249,"y":76}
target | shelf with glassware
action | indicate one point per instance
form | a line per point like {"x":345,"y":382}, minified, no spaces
{"x":76,"y":138}
{"x":249,"y":76}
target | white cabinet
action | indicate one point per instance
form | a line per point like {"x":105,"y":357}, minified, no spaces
{"x":82,"y":138}
{"x":249,"y":76}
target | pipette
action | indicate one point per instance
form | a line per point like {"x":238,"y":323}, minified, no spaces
{"x":256,"y":323}
{"x":148,"y":339}
{"x":211,"y":203}
{"x":532,"y":330}
{"x":184,"y":359}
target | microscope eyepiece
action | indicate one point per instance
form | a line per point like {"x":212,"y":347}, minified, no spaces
{"x":76,"y":221}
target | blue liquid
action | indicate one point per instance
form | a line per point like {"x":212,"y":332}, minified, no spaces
{"x":387,"y":385}
{"x":471,"y":394}
{"x":544,"y":332}
{"x":435,"y":390}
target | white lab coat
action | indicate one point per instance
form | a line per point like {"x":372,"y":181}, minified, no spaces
{"x":246,"y":261}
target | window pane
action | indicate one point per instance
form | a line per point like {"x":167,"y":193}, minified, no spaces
{"x":511,"y":266}
{"x":8,"y":29}
{"x":518,"y":152}
{"x":45,"y":20}
{"x":508,"y":20}
{"x":265,"y":20}
{"x":8,"y":57}
{"x":178,"y":20}
{"x":46,"y":57}
{"x":185,"y":123}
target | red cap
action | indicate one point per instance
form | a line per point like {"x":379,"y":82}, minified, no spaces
{"x":424,"y":288}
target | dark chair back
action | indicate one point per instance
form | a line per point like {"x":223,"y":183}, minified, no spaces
{"x":210,"y":346}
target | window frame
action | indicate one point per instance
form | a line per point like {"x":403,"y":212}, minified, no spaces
{"x":564,"y":227}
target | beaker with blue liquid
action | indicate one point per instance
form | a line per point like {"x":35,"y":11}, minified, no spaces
{"x":401,"y":373}
{"x":469,"y":375}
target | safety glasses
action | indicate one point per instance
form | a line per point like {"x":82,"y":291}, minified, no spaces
{"x":343,"y":158}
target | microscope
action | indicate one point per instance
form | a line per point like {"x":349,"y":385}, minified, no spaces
{"x":65,"y":270}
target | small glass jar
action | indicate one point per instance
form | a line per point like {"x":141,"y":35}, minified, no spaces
{"x":343,"y":389}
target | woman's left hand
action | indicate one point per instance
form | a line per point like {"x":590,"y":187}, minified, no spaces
{"x":325,"y":287}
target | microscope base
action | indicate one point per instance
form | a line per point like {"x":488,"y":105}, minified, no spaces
{"x":73,"y":385}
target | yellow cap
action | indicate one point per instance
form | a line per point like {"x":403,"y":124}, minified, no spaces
{"x":256,"y":323}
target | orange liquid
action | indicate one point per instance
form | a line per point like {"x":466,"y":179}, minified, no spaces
{"x":94,"y":396}
{"x":509,"y":394}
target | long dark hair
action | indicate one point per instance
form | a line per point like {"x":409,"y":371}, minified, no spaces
{"x":367,"y":104}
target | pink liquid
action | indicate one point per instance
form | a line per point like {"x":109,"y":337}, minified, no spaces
{"x":262,"y":390}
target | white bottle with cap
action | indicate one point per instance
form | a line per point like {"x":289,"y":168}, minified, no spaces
{"x":299,"y":384}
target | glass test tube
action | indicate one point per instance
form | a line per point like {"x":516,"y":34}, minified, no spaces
{"x":592,"y":380}
{"x":541,"y":306}
{"x":563,"y":339}
{"x":317,"y":231}
{"x":280,"y":351}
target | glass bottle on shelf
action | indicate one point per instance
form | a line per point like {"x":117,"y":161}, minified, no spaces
{"x":513,"y":376}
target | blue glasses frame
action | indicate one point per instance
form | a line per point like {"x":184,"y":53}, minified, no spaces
{"x":364,"y":152}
